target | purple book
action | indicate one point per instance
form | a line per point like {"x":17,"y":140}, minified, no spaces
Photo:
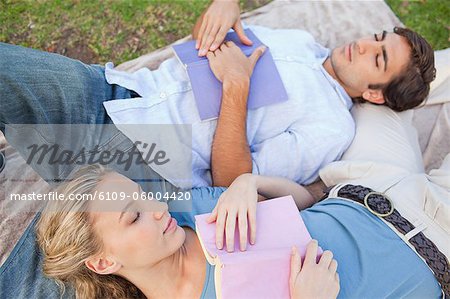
{"x":266,"y":87}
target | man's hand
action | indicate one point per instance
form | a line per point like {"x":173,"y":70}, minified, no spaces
{"x":214,"y":23}
{"x":313,"y":280}
{"x":228,"y":62}
{"x":237,"y":203}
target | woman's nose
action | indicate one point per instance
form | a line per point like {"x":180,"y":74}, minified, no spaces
{"x":161,"y":210}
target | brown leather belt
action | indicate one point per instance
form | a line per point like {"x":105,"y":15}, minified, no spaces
{"x":381,"y":206}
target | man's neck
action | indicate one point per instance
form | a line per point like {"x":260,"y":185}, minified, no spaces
{"x":327,"y":65}
{"x":329,"y":68}
{"x":180,"y":275}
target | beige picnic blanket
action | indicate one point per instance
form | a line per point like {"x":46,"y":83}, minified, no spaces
{"x":331,"y":23}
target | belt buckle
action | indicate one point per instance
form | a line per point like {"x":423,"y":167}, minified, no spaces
{"x":366,"y":203}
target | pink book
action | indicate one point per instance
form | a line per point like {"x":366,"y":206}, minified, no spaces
{"x":262,"y":271}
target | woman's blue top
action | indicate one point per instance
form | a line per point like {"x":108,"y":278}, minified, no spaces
{"x":373,"y":262}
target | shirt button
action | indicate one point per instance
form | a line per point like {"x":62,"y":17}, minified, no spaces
{"x":163,"y":95}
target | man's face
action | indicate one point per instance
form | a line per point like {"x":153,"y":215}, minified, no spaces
{"x":372,"y":60}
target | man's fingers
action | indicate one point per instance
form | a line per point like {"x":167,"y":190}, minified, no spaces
{"x":211,"y":55}
{"x":208,"y":38}
{"x":230,"y":230}
{"x":256,"y":55}
{"x":220,"y":226}
{"x":243,"y":229}
{"x":326,"y":259}
{"x":241,"y":33}
{"x":220,"y":36}
{"x":311,"y":252}
{"x":223,"y":46}
{"x":201,"y":32}
{"x":205,"y":34}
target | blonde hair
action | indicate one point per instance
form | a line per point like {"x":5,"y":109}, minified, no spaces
{"x":66,"y":236}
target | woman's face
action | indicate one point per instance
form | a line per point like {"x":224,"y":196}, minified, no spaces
{"x":138,"y":234}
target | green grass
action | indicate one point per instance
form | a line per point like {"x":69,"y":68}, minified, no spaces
{"x":430,"y":18}
{"x":97,"y":31}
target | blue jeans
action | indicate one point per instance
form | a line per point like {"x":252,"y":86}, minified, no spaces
{"x":43,"y":88}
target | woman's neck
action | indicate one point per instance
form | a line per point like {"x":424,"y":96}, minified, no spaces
{"x":180,"y":275}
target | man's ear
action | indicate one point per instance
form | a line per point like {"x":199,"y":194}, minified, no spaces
{"x":374,"y":96}
{"x":102,"y":265}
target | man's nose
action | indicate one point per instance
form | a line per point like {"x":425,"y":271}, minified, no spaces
{"x":365,"y":46}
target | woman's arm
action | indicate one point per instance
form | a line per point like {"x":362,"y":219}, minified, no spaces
{"x":313,"y":280}
{"x":239,"y":201}
{"x":271,"y":187}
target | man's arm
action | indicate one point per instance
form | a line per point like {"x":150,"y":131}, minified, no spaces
{"x":230,"y":155}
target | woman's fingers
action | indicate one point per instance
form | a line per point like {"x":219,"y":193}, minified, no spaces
{"x":311,"y":252}
{"x":325,"y":259}
{"x":243,"y":229}
{"x":296,"y":265}
{"x":251,"y":214}
{"x":229,"y":230}
{"x":213,"y":216}
{"x":220,"y":226}
{"x":333,"y":266}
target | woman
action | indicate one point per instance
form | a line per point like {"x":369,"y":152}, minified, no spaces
{"x":137,"y":249}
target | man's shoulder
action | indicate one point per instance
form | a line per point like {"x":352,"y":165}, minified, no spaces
{"x":274,"y":38}
{"x":264,"y":32}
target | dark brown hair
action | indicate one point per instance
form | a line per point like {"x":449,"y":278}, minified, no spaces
{"x":412,"y":86}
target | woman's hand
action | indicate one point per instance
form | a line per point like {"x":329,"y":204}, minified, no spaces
{"x":238,"y":201}
{"x":312,"y":280}
{"x":220,"y":16}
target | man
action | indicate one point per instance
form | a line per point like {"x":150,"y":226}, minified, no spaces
{"x":292,"y":139}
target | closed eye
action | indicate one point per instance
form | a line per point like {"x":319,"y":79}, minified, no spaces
{"x":383,"y":48}
{"x":138,"y":215}
{"x":376,"y":57}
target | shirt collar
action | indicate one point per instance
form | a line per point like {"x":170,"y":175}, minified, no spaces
{"x":345,"y":98}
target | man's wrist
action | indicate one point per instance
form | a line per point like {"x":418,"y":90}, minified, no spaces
{"x":236,"y":82}
{"x":235,"y":94}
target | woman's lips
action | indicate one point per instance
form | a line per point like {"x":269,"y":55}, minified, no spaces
{"x":171,"y":225}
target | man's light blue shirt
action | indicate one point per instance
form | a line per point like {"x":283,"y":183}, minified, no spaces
{"x":292,"y":139}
